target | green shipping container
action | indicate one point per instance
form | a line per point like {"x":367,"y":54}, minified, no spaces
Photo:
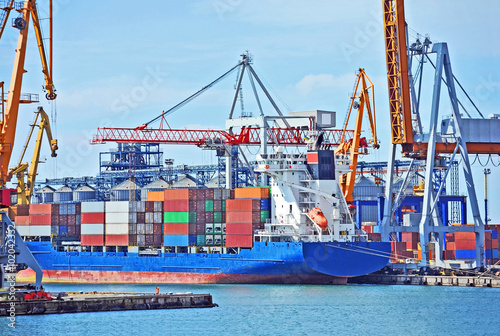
{"x":176,"y":217}
{"x":209,"y":228}
{"x":264,"y":215}
{"x":218,"y":228}
{"x":217,"y":217}
{"x":192,"y":217}
{"x":223,"y":205}
{"x":200,"y":240}
{"x":209,"y":205}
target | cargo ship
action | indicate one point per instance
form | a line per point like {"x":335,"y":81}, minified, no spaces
{"x":298,"y":230}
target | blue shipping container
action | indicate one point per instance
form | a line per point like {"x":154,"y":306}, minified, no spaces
{"x":176,"y":240}
{"x":494,"y":234}
{"x":265,"y":204}
{"x":192,"y":240}
{"x":495,"y":253}
{"x":465,"y":254}
{"x":63,"y":230}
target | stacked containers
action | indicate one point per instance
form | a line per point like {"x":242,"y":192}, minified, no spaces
{"x":69,"y":220}
{"x":145,"y":223}
{"x":491,"y":246}
{"x":118,"y":215}
{"x":261,"y":194}
{"x":411,"y":239}
{"x":177,"y":216}
{"x":465,"y":245}
{"x":41,"y":218}
{"x":241,"y":214}
{"x":92,"y":223}
{"x":22,"y":220}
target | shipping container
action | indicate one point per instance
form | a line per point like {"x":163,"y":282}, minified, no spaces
{"x":92,"y":229}
{"x":92,"y":217}
{"x":116,"y":229}
{"x":242,"y":205}
{"x":155,"y":196}
{"x":22,"y":220}
{"x":410,"y":236}
{"x":149,"y":228}
{"x":209,"y":217}
{"x":141,"y":229}
{"x":209,"y":205}
{"x":120,"y":207}
{"x":157,"y":240}
{"x":239,"y":228}
{"x":251,"y":192}
{"x":265,"y":204}
{"x":23,"y":210}
{"x":217,"y":205}
{"x":217,"y":240}
{"x":217,"y":227}
{"x":240,"y":217}
{"x":158,"y":218}
{"x":465,"y":254}
{"x":176,"y":240}
{"x":92,"y":207}
{"x":209,"y":240}
{"x":192,"y":240}
{"x":149,"y":217}
{"x":132,"y":229}
{"x":465,"y":236}
{"x":217,"y":217}
{"x":176,"y":217}
{"x":180,"y":194}
{"x":176,"y":229}
{"x":141,"y":217}
{"x":264,"y":215}
{"x":200,"y":240}
{"x":116,"y":240}
{"x":193,"y":217}
{"x":116,"y":217}
{"x":72,"y":231}
{"x":245,"y":241}
{"x":158,"y":229}
{"x":209,"y":228}
{"x":36,"y":219}
{"x":92,"y":240}
{"x":465,"y":244}
{"x":24,"y":231}
{"x":158,"y":206}
{"x":40,"y":231}
{"x":149,"y":207}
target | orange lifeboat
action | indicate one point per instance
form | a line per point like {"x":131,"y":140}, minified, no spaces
{"x":318,"y":217}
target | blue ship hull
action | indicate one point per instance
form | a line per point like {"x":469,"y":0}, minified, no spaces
{"x":303,"y":263}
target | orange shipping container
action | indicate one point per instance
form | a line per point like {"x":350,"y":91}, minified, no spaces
{"x":180,"y":194}
{"x":465,"y":236}
{"x":239,"y":241}
{"x":465,"y":244}
{"x":22,"y":220}
{"x":239,"y":229}
{"x":251,"y":193}
{"x":450,"y":246}
{"x":92,"y":240}
{"x":156,"y":195}
{"x":239,"y":217}
{"x":40,"y":209}
{"x":176,"y":229}
{"x":117,"y":240}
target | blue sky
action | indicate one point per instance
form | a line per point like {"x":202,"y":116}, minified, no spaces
{"x":120,"y":63}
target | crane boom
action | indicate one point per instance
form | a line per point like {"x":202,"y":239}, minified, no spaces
{"x":9,"y":123}
{"x":397,"y":73}
{"x":25,"y":190}
{"x":352,"y":146}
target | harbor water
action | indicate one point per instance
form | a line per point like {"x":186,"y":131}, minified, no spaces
{"x":285,"y":310}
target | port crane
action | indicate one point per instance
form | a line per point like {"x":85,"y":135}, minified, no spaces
{"x":454,"y":138}
{"x":10,"y":238}
{"x":25,"y":189}
{"x":356,"y":144}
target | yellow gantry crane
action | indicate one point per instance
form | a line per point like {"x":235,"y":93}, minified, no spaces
{"x":27,"y":12}
{"x":353,"y":146}
{"x":25,"y":189}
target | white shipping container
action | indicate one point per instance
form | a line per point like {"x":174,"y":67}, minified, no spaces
{"x":119,"y":206}
{"x":40,"y":231}
{"x":158,"y":218}
{"x":132,"y":218}
{"x":92,"y":229}
{"x":23,"y":230}
{"x":149,"y":218}
{"x":116,"y":229}
{"x":92,"y":207}
{"x":158,"y":206}
{"x":140,"y":206}
{"x":117,"y":217}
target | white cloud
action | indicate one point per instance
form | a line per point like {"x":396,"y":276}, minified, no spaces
{"x":311,"y":83}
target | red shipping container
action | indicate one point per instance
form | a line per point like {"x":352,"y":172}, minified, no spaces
{"x":40,"y":219}
{"x":465,"y":236}
{"x":411,"y":245}
{"x":180,"y":194}
{"x":494,"y":243}
{"x":150,"y":207}
{"x":239,"y":241}
{"x":132,"y":239}
{"x":375,"y":236}
{"x":62,"y":220}
{"x":192,"y":229}
{"x":77,"y":231}
{"x":157,"y":228}
{"x":450,"y":246}
{"x":239,"y":228}
{"x":176,"y":205}
{"x":217,"y":205}
{"x":257,"y":226}
{"x":23,"y":210}
{"x":239,"y":217}
{"x":487,"y":244}
{"x":209,"y":217}
{"x":487,"y":234}
{"x":92,"y":240}
{"x":92,"y":218}
{"x":450,"y":254}
{"x":367,"y":229}
{"x":450,"y":237}
{"x":465,"y":244}
{"x":22,"y":220}
{"x":141,"y":218}
{"x":200,"y":228}
{"x":40,"y":209}
{"x":158,"y":239}
{"x":410,"y":236}
{"x":71,"y":220}
{"x":176,"y":229}
{"x":242,"y":205}
{"x":117,"y":240}
{"x":149,"y":239}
